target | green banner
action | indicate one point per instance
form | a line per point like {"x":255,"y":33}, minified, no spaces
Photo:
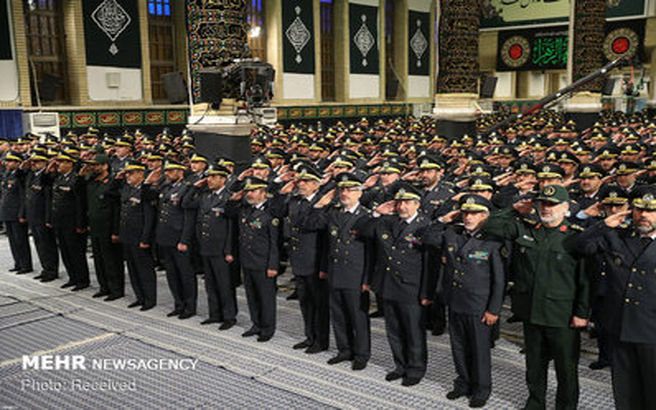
{"x":506,"y":13}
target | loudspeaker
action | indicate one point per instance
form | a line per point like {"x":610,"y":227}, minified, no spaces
{"x":488,"y":85}
{"x":211,"y":86}
{"x":608,"y":87}
{"x":48,"y":87}
{"x":175,"y":88}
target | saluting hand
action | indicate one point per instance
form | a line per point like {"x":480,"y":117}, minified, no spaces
{"x":200,"y":183}
{"x":524,"y":206}
{"x":593,"y":210}
{"x":288,"y":187}
{"x":326,"y":199}
{"x":615,"y":220}
{"x":371,"y":181}
{"x":237,"y":196}
{"x":386,"y":208}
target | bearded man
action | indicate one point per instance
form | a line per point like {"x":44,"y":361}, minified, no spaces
{"x":550,"y":293}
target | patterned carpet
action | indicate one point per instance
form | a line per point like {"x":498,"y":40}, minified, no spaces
{"x":230,"y":372}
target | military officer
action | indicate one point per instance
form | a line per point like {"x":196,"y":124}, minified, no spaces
{"x":122,"y":154}
{"x":259,"y":246}
{"x":305,"y":250}
{"x":68,"y":219}
{"x":550,"y":293}
{"x":214,"y":231}
{"x":629,"y":254}
{"x":103,"y":210}
{"x":136,"y":229}
{"x":12,"y":212}
{"x":173,"y":234}
{"x":474,"y":281}
{"x":349,"y":268}
{"x":436,"y":193}
{"x":38,"y":194}
{"x":402,"y":279}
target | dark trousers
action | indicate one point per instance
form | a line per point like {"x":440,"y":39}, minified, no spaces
{"x":19,"y":245}
{"x":407,"y":337}
{"x":142,"y":273}
{"x":72,"y":247}
{"x":562,"y":344}
{"x":261,"y":297}
{"x":313,"y":298}
{"x":46,"y":249}
{"x":108,"y":263}
{"x":221,"y":295}
{"x":634,"y":373}
{"x":180,"y":277}
{"x":470,"y":347}
{"x":436,"y":316}
{"x":603,"y":338}
{"x":350,"y":317}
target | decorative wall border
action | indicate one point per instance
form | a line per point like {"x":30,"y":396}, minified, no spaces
{"x":122,"y":118}
{"x":342,"y":111}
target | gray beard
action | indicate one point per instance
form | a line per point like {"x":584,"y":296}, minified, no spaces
{"x":545,"y":220}
{"x":645,"y":229}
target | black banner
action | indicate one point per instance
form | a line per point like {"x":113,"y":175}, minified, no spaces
{"x":363,"y":31}
{"x":5,"y":38}
{"x":298,"y":36}
{"x":111,"y":33}
{"x":546,"y":48}
{"x":418,"y":43}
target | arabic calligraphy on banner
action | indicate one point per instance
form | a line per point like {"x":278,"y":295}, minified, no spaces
{"x":505,"y":13}
{"x":546,"y":48}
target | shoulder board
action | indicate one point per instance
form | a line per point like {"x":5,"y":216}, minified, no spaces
{"x":529,"y":221}
{"x":577,"y":228}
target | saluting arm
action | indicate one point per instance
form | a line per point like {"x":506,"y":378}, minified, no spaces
{"x":503,"y":223}
{"x":498,"y":282}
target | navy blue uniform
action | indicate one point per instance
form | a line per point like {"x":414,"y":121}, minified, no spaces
{"x":175,"y":225}
{"x":68,"y":213}
{"x":629,"y":306}
{"x":214,"y":231}
{"x":137,"y":224}
{"x":38,"y":194}
{"x":12,"y":208}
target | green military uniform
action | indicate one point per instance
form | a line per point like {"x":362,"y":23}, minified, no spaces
{"x":550,"y":288}
{"x":104,"y":205}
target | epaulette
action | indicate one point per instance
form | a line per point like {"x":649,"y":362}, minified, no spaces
{"x":577,"y":227}
{"x":529,"y":221}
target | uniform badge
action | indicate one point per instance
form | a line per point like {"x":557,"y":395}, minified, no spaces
{"x":479,"y":255}
{"x":217,"y":211}
{"x":257,"y":224}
